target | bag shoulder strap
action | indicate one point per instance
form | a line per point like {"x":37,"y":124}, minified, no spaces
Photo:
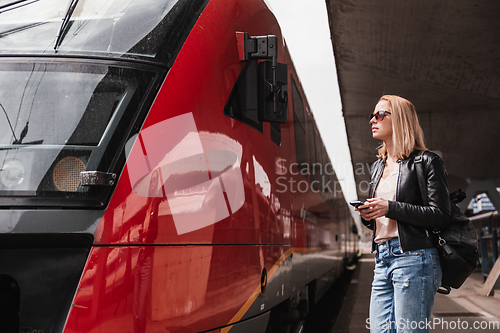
{"x":422,"y":184}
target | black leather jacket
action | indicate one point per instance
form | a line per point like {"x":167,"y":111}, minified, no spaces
{"x":415,"y":221}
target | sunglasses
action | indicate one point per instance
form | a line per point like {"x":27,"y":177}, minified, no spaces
{"x":379,"y":115}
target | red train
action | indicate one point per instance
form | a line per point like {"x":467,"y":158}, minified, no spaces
{"x":160,"y":171}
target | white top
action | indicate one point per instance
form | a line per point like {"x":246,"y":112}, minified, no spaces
{"x":386,"y":189}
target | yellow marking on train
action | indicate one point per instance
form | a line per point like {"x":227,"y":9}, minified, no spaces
{"x":304,"y":250}
{"x":237,"y":317}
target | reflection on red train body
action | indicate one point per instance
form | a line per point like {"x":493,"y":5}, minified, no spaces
{"x":198,"y":171}
{"x":150,"y":288}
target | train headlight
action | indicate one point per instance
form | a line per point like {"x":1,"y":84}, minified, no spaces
{"x":12,"y":173}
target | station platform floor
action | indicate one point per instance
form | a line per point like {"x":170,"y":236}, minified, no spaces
{"x":463,"y":310}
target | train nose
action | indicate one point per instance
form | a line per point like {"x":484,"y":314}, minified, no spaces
{"x":37,"y":283}
{"x":9,"y":304}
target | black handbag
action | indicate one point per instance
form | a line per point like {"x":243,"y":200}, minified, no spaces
{"x":457,"y":243}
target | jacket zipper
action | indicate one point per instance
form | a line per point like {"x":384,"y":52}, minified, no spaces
{"x":374,"y":183}
{"x":397,"y":192}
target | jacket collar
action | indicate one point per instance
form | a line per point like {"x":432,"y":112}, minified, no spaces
{"x":412,"y":156}
{"x":379,"y":170}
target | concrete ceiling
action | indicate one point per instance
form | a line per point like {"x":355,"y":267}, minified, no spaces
{"x":443,"y":56}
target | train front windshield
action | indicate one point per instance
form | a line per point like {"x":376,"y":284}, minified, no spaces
{"x":60,"y":116}
{"x":60,"y":119}
{"x":113,"y":28}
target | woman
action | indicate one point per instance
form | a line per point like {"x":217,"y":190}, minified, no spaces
{"x":407,"y":271}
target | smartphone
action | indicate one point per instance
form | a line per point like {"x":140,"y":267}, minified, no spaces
{"x":356,"y":203}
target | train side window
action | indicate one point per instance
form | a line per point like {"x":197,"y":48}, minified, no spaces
{"x":311,"y":145}
{"x":242,"y":103}
{"x":327,"y":171}
{"x":276,"y":133}
{"x":319,"y":166}
{"x":300,"y":128}
{"x":269,"y":111}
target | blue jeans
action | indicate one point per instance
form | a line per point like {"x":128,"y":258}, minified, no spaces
{"x":403,"y":289}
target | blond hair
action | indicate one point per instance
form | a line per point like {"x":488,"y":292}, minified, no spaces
{"x":407,"y":133}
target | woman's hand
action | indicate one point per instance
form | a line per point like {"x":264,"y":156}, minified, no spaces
{"x":373,"y":208}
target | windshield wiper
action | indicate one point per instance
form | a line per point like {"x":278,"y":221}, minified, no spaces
{"x":19,"y":29}
{"x":13,"y":3}
{"x":22,"y":136}
{"x":8,"y":120}
{"x":23,"y":133}
{"x":63,"y":30}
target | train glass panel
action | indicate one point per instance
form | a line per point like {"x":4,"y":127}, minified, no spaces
{"x":300,"y":130}
{"x":88,"y":28}
{"x":311,"y":146}
{"x":60,"y":119}
{"x":147,"y":29}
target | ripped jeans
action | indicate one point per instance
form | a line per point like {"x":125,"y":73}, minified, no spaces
{"x":403,"y":289}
